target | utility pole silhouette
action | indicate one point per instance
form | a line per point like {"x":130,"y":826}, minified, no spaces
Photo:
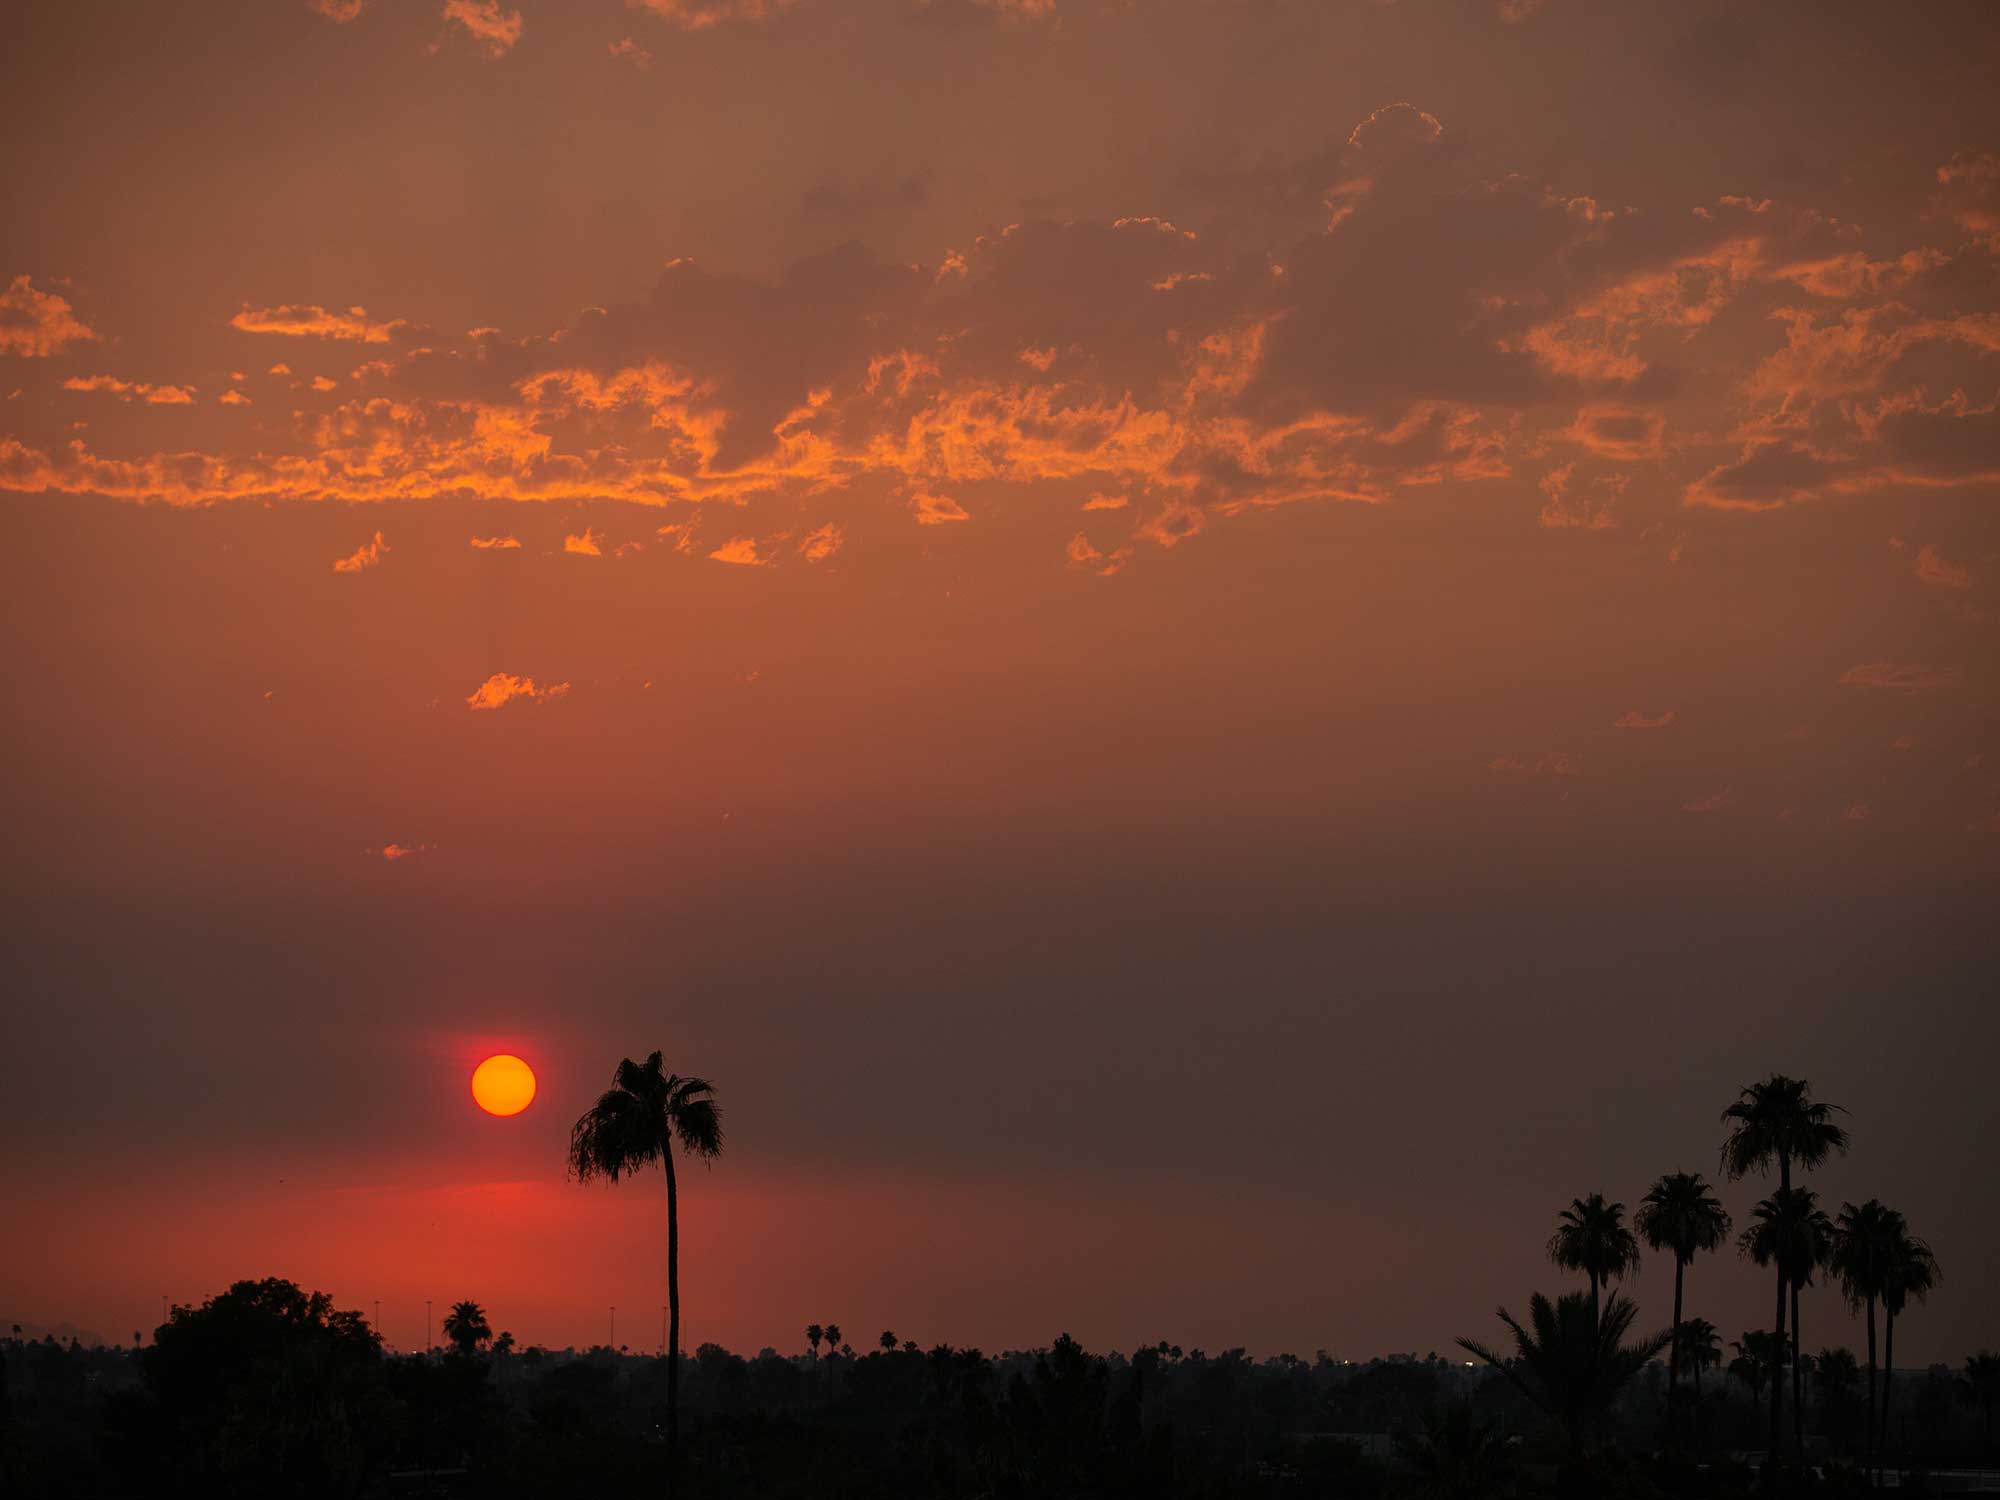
{"x":663,"y":1331}
{"x":614,"y":1326}
{"x":427,"y":1328}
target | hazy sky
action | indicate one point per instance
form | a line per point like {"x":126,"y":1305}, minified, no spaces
{"x":1208,"y":652}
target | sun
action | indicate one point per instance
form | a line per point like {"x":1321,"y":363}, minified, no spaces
{"x":503,"y":1084}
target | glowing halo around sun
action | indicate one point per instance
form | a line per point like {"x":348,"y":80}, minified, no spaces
{"x":503,"y":1084}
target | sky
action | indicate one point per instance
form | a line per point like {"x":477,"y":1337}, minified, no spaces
{"x":1207,"y":653}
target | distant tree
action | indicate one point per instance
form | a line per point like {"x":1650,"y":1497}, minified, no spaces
{"x":1982,"y":1388}
{"x":1681,"y":1214}
{"x":1591,"y":1237}
{"x":1912,"y":1275}
{"x":814,"y":1333}
{"x":1701,"y":1347}
{"x":1454,"y":1457}
{"x":910,"y":1346}
{"x":1777,"y":1121}
{"x":504,"y":1345}
{"x":1864,"y":1243}
{"x":1572,"y":1360}
{"x":638,"y":1121}
{"x":888,"y":1340}
{"x":1760,"y":1356}
{"x":1835,"y":1373}
{"x":466,"y":1326}
{"x":832,"y":1336}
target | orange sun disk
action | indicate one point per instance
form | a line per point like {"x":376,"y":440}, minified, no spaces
{"x":503,"y":1084}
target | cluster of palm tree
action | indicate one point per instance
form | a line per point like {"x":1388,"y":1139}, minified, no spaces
{"x":1572,"y":1359}
{"x":831,"y":1333}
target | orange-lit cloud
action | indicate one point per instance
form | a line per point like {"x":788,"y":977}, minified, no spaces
{"x":340,"y":11}
{"x":700,"y":15}
{"x":495,"y":30}
{"x":503,"y":688}
{"x":1633,"y":719}
{"x":233,"y":398}
{"x":1932,"y":568}
{"x":1855,"y":812}
{"x":936,"y":510}
{"x":310,"y":320}
{"x":35,"y":324}
{"x":152,"y":395}
{"x":365,"y":556}
{"x":1101,"y":501}
{"x":394,"y":852}
{"x":1713,"y":802}
{"x":740,"y":550}
{"x":1900,"y":679}
{"x":630,"y":51}
{"x":822,"y":542}
{"x":588,"y":543}
{"x":496,"y":543}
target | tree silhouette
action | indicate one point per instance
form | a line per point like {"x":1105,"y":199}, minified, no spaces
{"x":1911,"y":1274}
{"x":888,"y":1340}
{"x":1835,"y":1372}
{"x":1701,"y":1347}
{"x":1759,"y":1357}
{"x":634,"y":1123}
{"x":814,"y":1333}
{"x":1779,"y":1121}
{"x":466,"y":1326}
{"x":1454,"y":1457}
{"x":1982,"y":1387}
{"x":1682,"y":1215}
{"x":1591,"y":1237}
{"x":1572,"y":1360}
{"x":1864,"y":1243}
{"x":1788,"y":1233}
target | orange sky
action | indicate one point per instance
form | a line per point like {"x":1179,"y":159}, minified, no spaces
{"x":1209,"y":652}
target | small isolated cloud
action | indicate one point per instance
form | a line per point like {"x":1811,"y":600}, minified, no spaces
{"x":503,"y":688}
{"x":279,"y":369}
{"x":1633,"y":719}
{"x":1554,"y":763}
{"x":365,"y":556}
{"x":1857,"y":812}
{"x":1037,"y":359}
{"x":1713,"y":802}
{"x":126,"y":390}
{"x":36,"y":324}
{"x":936,"y":510}
{"x":233,"y":398}
{"x":394,"y":852}
{"x":1173,"y":525}
{"x":1904,"y":742}
{"x":740,"y":550}
{"x":339,"y":11}
{"x":1101,"y":501}
{"x":322,"y":383}
{"x":496,"y":543}
{"x":308,"y":320}
{"x":627,"y":50}
{"x":1514,"y":12}
{"x":822,"y":542}
{"x":590,"y":544}
{"x":700,"y":15}
{"x":1933,"y":569}
{"x":1897,"y":679}
{"x":495,"y":30}
{"x":1081,"y":553}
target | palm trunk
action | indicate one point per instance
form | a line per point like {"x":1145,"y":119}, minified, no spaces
{"x":673,"y":1322}
{"x":1777,"y":1380}
{"x":1798,"y":1380}
{"x":1674,"y":1354}
{"x":1871,"y":1379}
{"x":1888,"y":1370}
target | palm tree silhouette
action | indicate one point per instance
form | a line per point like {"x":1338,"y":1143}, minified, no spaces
{"x":1864,"y":1242}
{"x":1835,"y":1373}
{"x":1572,"y":1360}
{"x":1591,"y":1237}
{"x":888,"y":1339}
{"x":1982,"y":1385}
{"x":1759,"y":1357}
{"x":1454,"y":1457}
{"x":466,"y":1326}
{"x":1790,"y":1233}
{"x":1701,"y":1347}
{"x":1681,"y":1214}
{"x":1778,"y":1120}
{"x":814,"y":1333}
{"x":1912,"y":1274}
{"x":635,"y":1122}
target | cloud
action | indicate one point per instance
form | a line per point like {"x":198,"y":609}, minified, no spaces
{"x":1590,"y":508}
{"x":700,"y":15}
{"x":740,"y":550}
{"x":152,"y":395}
{"x":1900,"y":679}
{"x":35,"y":324}
{"x":503,"y":688}
{"x":1101,"y":501}
{"x":1082,"y":553}
{"x":630,"y":51}
{"x":394,"y":852}
{"x":233,"y":398}
{"x":589,"y":544}
{"x":1713,"y":802}
{"x":1932,"y":569}
{"x":1553,"y":763}
{"x":1633,"y":719}
{"x":822,"y":542}
{"x":936,"y":510}
{"x":1856,"y":812}
{"x":365,"y":556}
{"x":1904,"y":742}
{"x":495,"y":30}
{"x":1618,"y":430}
{"x":310,"y":320}
{"x":338,"y":11}
{"x":496,"y":543}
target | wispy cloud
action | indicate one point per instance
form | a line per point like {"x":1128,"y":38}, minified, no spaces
{"x":310,"y":320}
{"x":125,"y":390}
{"x":495,"y":30}
{"x":35,"y":324}
{"x":496,"y":543}
{"x":1899,"y":679}
{"x":503,"y":688}
{"x":1633,"y":719}
{"x":365,"y":556}
{"x":588,"y":543}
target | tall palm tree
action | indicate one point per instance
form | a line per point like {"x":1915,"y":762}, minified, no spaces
{"x":1572,"y":1360}
{"x":1864,"y":1242}
{"x":636,"y":1122}
{"x":1790,"y":1233}
{"x":466,"y":1326}
{"x":1591,"y":1237}
{"x":1912,"y":1274}
{"x":1779,"y":1121}
{"x":1683,"y":1215}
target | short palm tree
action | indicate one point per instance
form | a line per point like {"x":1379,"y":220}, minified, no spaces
{"x":1591,"y":1237}
{"x":466,"y":1326}
{"x":1789,"y":1233}
{"x":1912,"y":1276}
{"x":636,"y":1122}
{"x":1864,"y":1242}
{"x":814,"y":1333}
{"x":1835,"y":1373}
{"x":888,"y":1340}
{"x":1701,"y":1347}
{"x":1777,"y":1121}
{"x":1759,"y":1357}
{"x":1572,"y":1360}
{"x":1683,"y":1215}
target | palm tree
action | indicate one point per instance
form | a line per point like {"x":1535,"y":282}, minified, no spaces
{"x":636,"y":1122}
{"x":1789,"y":1233}
{"x":1455,"y":1457}
{"x":888,"y":1340}
{"x":1759,"y":1357}
{"x":1912,"y":1273}
{"x":1701,"y":1347}
{"x":1835,"y":1372}
{"x":1572,"y":1361}
{"x":1864,"y":1241}
{"x":1681,"y":1214}
{"x":814,"y":1333}
{"x":466,"y":1326}
{"x":1982,"y":1384}
{"x":1591,"y":1237}
{"x":1778,"y":1120}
